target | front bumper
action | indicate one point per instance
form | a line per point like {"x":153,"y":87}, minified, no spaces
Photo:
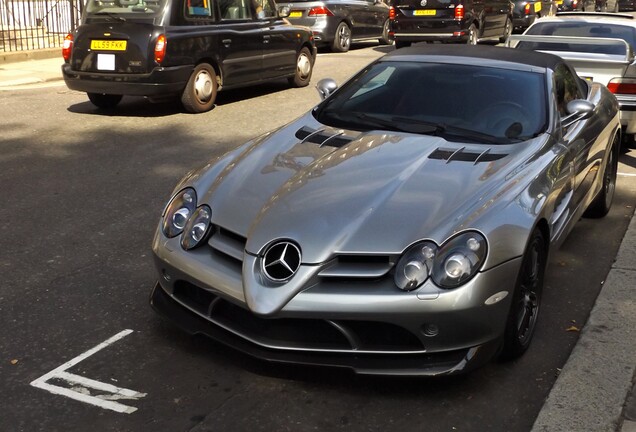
{"x":161,"y":81}
{"x":368,"y":326}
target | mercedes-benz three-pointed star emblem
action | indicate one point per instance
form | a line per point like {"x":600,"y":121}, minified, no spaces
{"x":423,"y":3}
{"x":281,"y":261}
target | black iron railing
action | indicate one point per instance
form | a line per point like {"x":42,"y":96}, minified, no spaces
{"x":37,"y":24}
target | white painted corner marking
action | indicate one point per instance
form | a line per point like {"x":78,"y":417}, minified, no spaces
{"x":81,"y":385}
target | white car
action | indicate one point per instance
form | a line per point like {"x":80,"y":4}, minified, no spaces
{"x":600,"y":46}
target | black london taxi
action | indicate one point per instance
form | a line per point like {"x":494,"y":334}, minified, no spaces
{"x":189,"y":49}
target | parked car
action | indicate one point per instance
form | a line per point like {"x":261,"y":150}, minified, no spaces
{"x":464,"y":21}
{"x":587,"y":5}
{"x":338,"y":23}
{"x":403,"y":225}
{"x":183,"y":48}
{"x":525,"y":12}
{"x":601,"y":48}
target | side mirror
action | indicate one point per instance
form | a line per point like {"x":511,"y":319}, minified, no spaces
{"x":326,"y":87}
{"x":284,"y":11}
{"x":577,"y":109}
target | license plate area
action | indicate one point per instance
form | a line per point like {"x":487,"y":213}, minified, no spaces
{"x":108,"y":45}
{"x":424,"y":12}
{"x":295,"y":14}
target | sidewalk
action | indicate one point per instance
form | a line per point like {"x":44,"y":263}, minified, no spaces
{"x":595,"y":390}
{"x":30,"y":67}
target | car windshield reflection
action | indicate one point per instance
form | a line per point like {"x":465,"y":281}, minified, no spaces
{"x":457,"y":102}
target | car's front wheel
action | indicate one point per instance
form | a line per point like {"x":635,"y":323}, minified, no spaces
{"x":526,"y":299}
{"x":507,"y":31}
{"x":200,"y":91}
{"x":105,"y":101}
{"x":342,"y":38}
{"x":304,"y":68}
{"x":402,"y":44}
{"x":603,"y":201}
{"x":386,"y":38}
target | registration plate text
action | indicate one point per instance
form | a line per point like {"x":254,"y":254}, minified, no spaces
{"x":420,"y":12}
{"x":108,"y":45}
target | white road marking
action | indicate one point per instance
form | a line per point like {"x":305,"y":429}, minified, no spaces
{"x":82,"y":385}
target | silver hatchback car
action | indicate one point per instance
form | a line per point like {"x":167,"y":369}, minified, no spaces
{"x":338,"y":23}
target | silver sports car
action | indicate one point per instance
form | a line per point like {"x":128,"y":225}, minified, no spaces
{"x":403,"y":225}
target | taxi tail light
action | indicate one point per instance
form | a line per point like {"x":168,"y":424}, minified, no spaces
{"x":160,"y":48}
{"x":526,"y":9}
{"x":67,"y":47}
{"x":459,"y":12}
{"x":319,"y":11}
{"x":622,"y":86}
{"x":392,"y":13}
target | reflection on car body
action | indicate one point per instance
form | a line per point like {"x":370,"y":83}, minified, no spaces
{"x":338,"y":23}
{"x":403,"y":225}
{"x":183,"y":48}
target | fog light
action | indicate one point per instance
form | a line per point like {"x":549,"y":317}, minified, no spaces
{"x":430,"y":330}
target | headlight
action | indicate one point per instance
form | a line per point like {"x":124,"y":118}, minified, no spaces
{"x":459,"y":259}
{"x":178,"y":212}
{"x":196,"y":228}
{"x":449,"y":266}
{"x":413,"y":268}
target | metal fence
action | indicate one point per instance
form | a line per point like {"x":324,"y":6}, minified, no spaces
{"x":37,"y":24}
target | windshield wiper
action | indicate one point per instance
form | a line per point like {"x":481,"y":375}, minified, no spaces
{"x":442,"y":129}
{"x":111,"y":15}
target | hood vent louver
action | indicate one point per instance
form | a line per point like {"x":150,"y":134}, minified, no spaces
{"x":461,"y":155}
{"x":322,"y":137}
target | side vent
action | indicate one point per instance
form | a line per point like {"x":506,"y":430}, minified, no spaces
{"x":322,"y":137}
{"x":465,"y":156}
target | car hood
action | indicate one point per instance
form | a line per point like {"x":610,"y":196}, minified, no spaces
{"x":363,"y":193}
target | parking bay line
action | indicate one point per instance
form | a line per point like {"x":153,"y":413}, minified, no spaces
{"x":111,"y":392}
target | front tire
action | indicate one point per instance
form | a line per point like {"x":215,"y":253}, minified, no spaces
{"x":386,"y":38}
{"x":200,"y":91}
{"x":603,"y":201}
{"x":304,"y":68}
{"x":105,"y":101}
{"x":401,"y":44}
{"x":526,"y":299}
{"x":342,"y":38}
{"x":507,"y":31}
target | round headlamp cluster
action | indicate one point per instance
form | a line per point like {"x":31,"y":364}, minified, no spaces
{"x":449,"y":266}
{"x":183,"y":217}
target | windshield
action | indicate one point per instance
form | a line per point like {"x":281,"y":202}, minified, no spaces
{"x":108,"y":7}
{"x":458,"y":102}
{"x":581,"y":29}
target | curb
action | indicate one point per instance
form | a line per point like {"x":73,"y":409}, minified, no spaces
{"x":40,"y":54}
{"x":595,"y":382}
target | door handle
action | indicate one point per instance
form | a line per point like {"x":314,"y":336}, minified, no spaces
{"x":227,"y":41}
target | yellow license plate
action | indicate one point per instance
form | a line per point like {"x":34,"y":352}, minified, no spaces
{"x":421,"y":12}
{"x":559,"y":2}
{"x":295,"y":14}
{"x":108,"y":45}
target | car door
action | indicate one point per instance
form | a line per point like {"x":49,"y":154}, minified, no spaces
{"x":240,"y":43}
{"x":495,"y":15}
{"x":379,"y":14}
{"x":279,"y":41}
{"x":361,"y":16}
{"x":580,"y":138}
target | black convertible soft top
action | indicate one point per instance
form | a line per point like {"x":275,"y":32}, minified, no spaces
{"x":511,"y":55}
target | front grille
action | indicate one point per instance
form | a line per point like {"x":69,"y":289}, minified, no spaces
{"x":304,"y":334}
{"x":227,"y":243}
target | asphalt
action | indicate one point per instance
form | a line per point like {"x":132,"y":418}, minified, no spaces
{"x":595,"y":390}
